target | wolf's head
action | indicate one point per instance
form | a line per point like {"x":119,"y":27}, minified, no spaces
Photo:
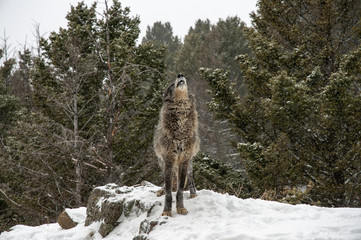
{"x":180,"y":82}
{"x":177,"y":90}
{"x":181,"y":88}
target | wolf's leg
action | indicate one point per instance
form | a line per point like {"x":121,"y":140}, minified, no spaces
{"x":181,"y":181}
{"x":161,"y":191}
{"x":190,"y":180}
{"x":168,"y":172}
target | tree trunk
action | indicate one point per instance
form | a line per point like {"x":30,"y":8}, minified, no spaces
{"x":78,"y":163}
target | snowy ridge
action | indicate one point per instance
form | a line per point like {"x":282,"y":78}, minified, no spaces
{"x":211,"y":216}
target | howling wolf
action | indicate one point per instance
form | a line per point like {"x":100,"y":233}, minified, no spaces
{"x":176,"y":141}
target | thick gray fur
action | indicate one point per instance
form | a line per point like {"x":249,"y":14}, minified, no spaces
{"x":176,"y":141}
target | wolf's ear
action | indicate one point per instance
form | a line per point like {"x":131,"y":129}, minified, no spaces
{"x":168,"y":94}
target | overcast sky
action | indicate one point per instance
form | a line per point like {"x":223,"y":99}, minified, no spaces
{"x":18,"y":17}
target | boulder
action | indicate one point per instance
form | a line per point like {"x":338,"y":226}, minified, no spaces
{"x":110,"y":205}
{"x":70,"y":218}
{"x":93,"y":210}
{"x":65,"y":221}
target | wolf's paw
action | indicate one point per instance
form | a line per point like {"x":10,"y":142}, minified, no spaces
{"x":160,"y":192}
{"x":193,"y":195}
{"x":169,"y":214}
{"x":182,"y":211}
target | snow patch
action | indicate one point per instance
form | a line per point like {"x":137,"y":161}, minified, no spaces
{"x":78,"y":215}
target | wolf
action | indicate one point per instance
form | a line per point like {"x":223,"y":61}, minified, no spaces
{"x":176,"y":141}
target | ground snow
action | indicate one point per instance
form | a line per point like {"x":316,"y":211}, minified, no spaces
{"x":212,"y":216}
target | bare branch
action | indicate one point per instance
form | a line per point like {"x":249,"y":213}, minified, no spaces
{"x":12,"y":201}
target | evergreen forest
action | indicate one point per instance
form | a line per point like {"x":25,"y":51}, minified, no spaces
{"x":279,"y":106}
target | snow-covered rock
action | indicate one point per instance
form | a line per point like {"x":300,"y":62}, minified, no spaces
{"x":69,"y":218}
{"x":111,"y":205}
{"x":211,"y":216}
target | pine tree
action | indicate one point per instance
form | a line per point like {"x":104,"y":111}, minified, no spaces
{"x":71,"y":93}
{"x":132,"y":96}
{"x":101,"y":88}
{"x":20,"y":82}
{"x":161,"y":35}
{"x":9,"y":113}
{"x":8,"y":103}
{"x":299,"y":122}
{"x":213,"y":46}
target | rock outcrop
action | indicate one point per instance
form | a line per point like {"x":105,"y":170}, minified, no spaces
{"x":110,"y":205}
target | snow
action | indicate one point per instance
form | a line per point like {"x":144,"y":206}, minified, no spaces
{"x":77,"y":214}
{"x":211,"y":216}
